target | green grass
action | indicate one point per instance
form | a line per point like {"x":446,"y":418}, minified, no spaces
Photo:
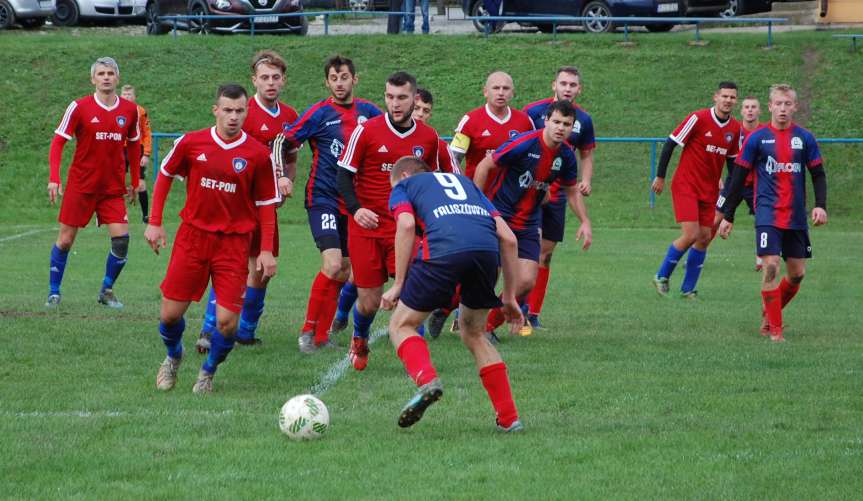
{"x":625,"y":395}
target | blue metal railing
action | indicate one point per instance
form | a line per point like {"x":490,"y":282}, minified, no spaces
{"x":254,"y":19}
{"x":653,"y":141}
{"x":627,"y":21}
{"x":853,"y":39}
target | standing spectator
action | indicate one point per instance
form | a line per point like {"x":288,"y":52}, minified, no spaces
{"x":394,"y":21}
{"x":410,"y":8}
{"x":128,"y":93}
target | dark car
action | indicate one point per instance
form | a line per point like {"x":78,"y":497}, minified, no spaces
{"x":265,"y":12}
{"x":356,"y":5}
{"x":597,"y":9}
{"x":741,"y":7}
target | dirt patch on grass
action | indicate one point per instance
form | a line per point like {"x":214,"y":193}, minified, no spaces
{"x":805,"y":94}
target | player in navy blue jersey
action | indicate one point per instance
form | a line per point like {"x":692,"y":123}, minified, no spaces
{"x":779,"y":154}
{"x":566,"y":86}
{"x":464,"y":239}
{"x":327,"y":125}
{"x":523,"y":170}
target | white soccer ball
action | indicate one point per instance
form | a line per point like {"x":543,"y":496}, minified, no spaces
{"x":304,"y":417}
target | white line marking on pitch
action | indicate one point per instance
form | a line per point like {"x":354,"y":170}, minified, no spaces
{"x":22,"y":235}
{"x":338,"y":369}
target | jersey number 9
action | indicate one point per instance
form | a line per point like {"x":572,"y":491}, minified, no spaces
{"x":453,"y":186}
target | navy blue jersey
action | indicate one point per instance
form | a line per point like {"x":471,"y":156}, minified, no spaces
{"x":451,"y":211}
{"x":327,"y":126}
{"x":526,"y":170}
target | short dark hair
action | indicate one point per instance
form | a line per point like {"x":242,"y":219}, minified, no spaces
{"x":572,"y":70}
{"x":409,"y":164}
{"x":424,"y":95}
{"x":231,"y":91}
{"x":337,"y":62}
{"x":750,"y":97}
{"x":564,"y":107}
{"x":400,"y":78}
{"x":727,"y":84}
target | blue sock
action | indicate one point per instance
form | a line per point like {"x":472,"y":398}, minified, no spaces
{"x":220,"y":346}
{"x":421,"y":330}
{"x":210,"y":314}
{"x":172,"y":336}
{"x":694,"y":264}
{"x":362,"y":323}
{"x":113,"y":266}
{"x":672,"y":257}
{"x":58,"y":266}
{"x":253,"y":308}
{"x":347,"y":298}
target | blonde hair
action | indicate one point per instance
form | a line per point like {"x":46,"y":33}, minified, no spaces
{"x":128,"y":88}
{"x":783,"y":88}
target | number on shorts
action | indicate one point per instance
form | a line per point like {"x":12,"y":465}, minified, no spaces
{"x":763,"y":240}
{"x":454,"y":189}
{"x":328,"y":222}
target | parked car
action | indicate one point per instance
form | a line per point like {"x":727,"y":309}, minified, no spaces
{"x":598,"y":9}
{"x":27,"y":13}
{"x":741,"y":7}
{"x":357,"y":5}
{"x":71,"y":12}
{"x":265,"y":12}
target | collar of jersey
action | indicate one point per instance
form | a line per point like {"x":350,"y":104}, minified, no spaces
{"x":395,"y":131}
{"x":106,"y":108}
{"x":494,"y":117}
{"x":716,"y":118}
{"x":267,"y":110}
{"x":223,"y":144}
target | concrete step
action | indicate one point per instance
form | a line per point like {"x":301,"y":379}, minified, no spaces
{"x":794,"y":6}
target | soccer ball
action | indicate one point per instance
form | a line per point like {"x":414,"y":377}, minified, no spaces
{"x":304,"y":417}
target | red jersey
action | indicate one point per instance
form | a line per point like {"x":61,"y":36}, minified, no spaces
{"x":225,"y":181}
{"x":373,"y":149}
{"x":707,"y":142}
{"x":480,"y":133}
{"x":445,"y":161}
{"x":99,"y":164}
{"x":744,"y":135}
{"x":264,"y":124}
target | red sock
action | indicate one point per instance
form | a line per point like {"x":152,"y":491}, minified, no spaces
{"x":495,"y":319}
{"x":787,"y":290}
{"x":773,"y":309}
{"x":317,"y":296}
{"x":414,"y":354}
{"x":537,"y":295}
{"x":327,"y":311}
{"x":496,"y":383}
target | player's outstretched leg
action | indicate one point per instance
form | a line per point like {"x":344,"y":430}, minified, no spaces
{"x":771,"y":297}
{"x":347,"y":298}
{"x":209,"y":325}
{"x":55,"y":276}
{"x":666,"y":268}
{"x":253,"y":308}
{"x":413,"y":351}
{"x":221,"y":344}
{"x":114,"y":264}
{"x":172,"y":337}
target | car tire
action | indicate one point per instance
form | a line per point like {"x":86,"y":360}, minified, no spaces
{"x":597,"y":9}
{"x":203,"y":26}
{"x":154,"y":27}
{"x":477,"y":10}
{"x":303,"y":28}
{"x":734,"y":9}
{"x":32,"y":22}
{"x":7,"y":15}
{"x":67,"y":13}
{"x":362,"y":5}
{"x":659,"y":27}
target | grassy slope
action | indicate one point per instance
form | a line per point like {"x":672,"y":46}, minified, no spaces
{"x":624,"y":395}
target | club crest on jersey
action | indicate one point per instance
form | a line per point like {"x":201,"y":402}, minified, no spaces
{"x":556,"y":164}
{"x":418,"y":151}
{"x":239,"y":164}
{"x":121,"y":121}
{"x":361,"y":119}
{"x":796,"y":143}
{"x":336,"y":148}
{"x":576,"y":127}
{"x":513,"y":133}
{"x":525,"y":180}
{"x":728,"y":137}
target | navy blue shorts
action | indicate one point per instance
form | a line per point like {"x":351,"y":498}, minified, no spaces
{"x":528,"y":243}
{"x":431,"y":284}
{"x":748,"y":196}
{"x":773,"y":241}
{"x":554,"y":220}
{"x":329,"y":229}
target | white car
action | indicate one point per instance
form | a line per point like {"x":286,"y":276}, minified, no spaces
{"x":27,"y":13}
{"x":70,"y":12}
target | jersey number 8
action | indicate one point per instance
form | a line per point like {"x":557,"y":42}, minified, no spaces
{"x":454,"y":189}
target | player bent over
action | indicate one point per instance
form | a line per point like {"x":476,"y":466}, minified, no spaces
{"x":464,"y":240}
{"x":777,"y":155}
{"x":230,"y":189}
{"x":103,"y":125}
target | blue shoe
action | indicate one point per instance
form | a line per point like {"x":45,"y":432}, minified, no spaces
{"x":534,"y":322}
{"x":428,"y":394}
{"x":515,"y":427}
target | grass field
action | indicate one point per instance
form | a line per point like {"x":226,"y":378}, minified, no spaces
{"x":625,"y":395}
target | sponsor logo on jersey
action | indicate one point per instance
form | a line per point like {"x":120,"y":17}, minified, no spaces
{"x":796,"y":143}
{"x":525,"y":180}
{"x":418,"y":151}
{"x":121,"y":121}
{"x":383,"y":149}
{"x":712,"y":148}
{"x":362,"y":119}
{"x":533,"y":155}
{"x":219,"y":185}
{"x":773,"y":167}
{"x":485,"y":133}
{"x":202,"y":158}
{"x":336,"y":148}
{"x":332,"y":122}
{"x":95,"y":120}
{"x":513,"y":133}
{"x":576,"y":127}
{"x":557,"y":163}
{"x":109,"y":136}
{"x":239,"y":164}
{"x":768,"y":141}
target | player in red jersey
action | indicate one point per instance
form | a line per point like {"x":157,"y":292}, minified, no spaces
{"x":750,"y":112}
{"x":423,"y":106}
{"x":266,"y":118}
{"x":230,"y":191}
{"x":364,"y":183}
{"x":710,"y":138}
{"x":103,"y":125}
{"x":779,"y":154}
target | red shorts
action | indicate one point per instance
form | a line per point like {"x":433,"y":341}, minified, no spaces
{"x":255,"y":249}
{"x":688,"y":208}
{"x":199,"y":255}
{"x":373,"y":260}
{"x":77,"y":209}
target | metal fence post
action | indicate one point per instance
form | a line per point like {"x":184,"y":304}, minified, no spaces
{"x":770,"y":34}
{"x":652,"y":172}
{"x":697,"y":32}
{"x":252,"y":26}
{"x":554,"y":30}
{"x":626,"y":32}
{"x":174,"y":30}
{"x":326,"y":24}
{"x":487,"y":28}
{"x":154,"y":160}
